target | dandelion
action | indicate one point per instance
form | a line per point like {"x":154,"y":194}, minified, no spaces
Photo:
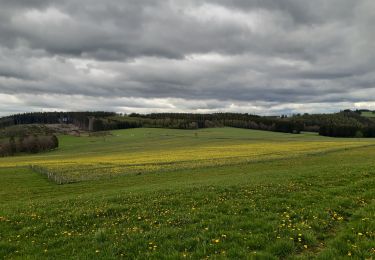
{"x":97,"y":251}
{"x":360,"y":234}
{"x":305,"y":246}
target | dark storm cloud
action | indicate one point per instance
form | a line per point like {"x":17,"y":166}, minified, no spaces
{"x":200,"y":55}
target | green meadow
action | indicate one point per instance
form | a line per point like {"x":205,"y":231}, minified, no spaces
{"x":368,"y":114}
{"x":175,"y":194}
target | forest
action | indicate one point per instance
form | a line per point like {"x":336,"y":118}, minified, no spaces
{"x":346,"y":123}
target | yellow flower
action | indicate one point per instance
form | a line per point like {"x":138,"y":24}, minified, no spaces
{"x":305,"y":246}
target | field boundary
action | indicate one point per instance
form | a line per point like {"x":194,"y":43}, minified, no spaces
{"x":52,"y":176}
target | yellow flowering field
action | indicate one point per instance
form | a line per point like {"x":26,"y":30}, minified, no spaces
{"x":95,"y":166}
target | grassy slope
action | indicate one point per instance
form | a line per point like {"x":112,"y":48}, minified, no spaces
{"x":368,"y":114}
{"x":160,"y":150}
{"x":258,"y":209}
{"x":138,"y":140}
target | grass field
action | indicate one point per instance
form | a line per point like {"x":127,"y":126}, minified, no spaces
{"x":368,"y":114}
{"x":159,"y":150}
{"x":220,"y":193}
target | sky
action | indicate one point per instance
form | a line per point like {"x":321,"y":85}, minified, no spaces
{"x":248,"y":56}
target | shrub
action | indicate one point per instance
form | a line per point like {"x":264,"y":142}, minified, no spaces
{"x":29,"y":144}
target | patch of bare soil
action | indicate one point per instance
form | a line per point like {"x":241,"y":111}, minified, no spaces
{"x":68,"y":129}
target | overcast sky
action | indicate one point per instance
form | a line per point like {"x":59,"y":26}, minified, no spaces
{"x":253,"y":56}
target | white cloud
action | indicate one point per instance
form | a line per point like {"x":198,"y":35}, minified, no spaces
{"x":45,"y":17}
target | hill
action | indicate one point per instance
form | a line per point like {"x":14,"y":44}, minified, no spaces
{"x":146,"y":150}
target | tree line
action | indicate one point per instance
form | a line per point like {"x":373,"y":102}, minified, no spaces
{"x":78,"y":118}
{"x":197,"y":121}
{"x":346,"y":123}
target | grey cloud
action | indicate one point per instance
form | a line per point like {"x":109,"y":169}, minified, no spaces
{"x":214,"y":54}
